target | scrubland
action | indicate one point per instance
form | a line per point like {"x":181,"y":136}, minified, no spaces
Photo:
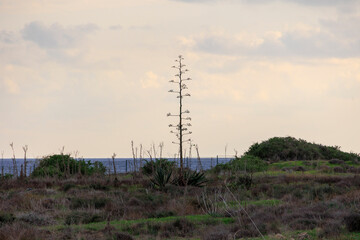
{"x":247,"y":198}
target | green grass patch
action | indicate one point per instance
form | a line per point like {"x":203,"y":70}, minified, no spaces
{"x":121,"y":224}
{"x":280,"y":165}
{"x":264,"y":202}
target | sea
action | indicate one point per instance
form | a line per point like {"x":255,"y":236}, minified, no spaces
{"x":123,"y":165}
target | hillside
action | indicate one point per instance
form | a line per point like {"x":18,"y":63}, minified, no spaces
{"x":290,"y":148}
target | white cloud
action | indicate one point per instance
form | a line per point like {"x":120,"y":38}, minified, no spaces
{"x":150,"y":80}
{"x":11,"y":86}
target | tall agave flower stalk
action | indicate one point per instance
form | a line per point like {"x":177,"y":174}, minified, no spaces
{"x":181,"y":129}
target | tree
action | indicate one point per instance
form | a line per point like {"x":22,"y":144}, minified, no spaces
{"x":181,"y":129}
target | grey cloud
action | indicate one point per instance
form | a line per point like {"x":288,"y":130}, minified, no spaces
{"x":140,"y":27}
{"x":337,"y":38}
{"x":7,"y":37}
{"x":116,"y":27}
{"x":300,"y":2}
{"x":346,"y":27}
{"x":55,"y":36}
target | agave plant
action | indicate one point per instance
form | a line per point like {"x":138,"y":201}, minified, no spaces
{"x":191,"y":178}
{"x":161,"y":177}
{"x":150,"y":166}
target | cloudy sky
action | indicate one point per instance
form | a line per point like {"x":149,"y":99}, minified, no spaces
{"x":93,"y":75}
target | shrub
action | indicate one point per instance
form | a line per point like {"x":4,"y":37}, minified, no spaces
{"x":150,"y":166}
{"x":339,"y":170}
{"x":62,"y":165}
{"x":289,"y":148}
{"x":88,"y":202}
{"x":153,"y":228}
{"x":216,"y":233}
{"x":331,"y":229}
{"x":248,"y":164}
{"x":98,"y":186}
{"x":180,"y":227}
{"x":34,"y":219}
{"x":244,"y":181}
{"x":68,"y":186}
{"x":161,"y":214}
{"x":320,"y":191}
{"x":6,"y":218}
{"x":303,"y":223}
{"x":352,"y":222}
{"x":21,"y":231}
{"x":82,"y":217}
{"x":122,"y":236}
{"x":336,"y":161}
{"x":6,"y":176}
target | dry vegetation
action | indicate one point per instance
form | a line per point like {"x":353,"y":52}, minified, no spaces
{"x":317,"y":199}
{"x":321,"y":205}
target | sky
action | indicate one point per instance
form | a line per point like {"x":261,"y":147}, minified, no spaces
{"x":93,"y":76}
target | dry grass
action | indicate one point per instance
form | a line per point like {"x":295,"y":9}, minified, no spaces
{"x":306,"y":202}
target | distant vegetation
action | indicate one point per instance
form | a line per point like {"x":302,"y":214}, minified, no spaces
{"x":289,"y":148}
{"x":60,"y":165}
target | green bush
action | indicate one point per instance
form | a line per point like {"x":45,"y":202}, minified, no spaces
{"x":63,"y":165}
{"x":150,"y":166}
{"x":243,"y":181}
{"x":289,"y":148}
{"x":6,"y":176}
{"x":247,"y":164}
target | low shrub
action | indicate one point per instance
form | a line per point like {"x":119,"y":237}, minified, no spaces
{"x":150,"y":166}
{"x":244,"y":181}
{"x":161,"y":214}
{"x":88,"y":202}
{"x":68,"y":186}
{"x":6,"y":218}
{"x":181,"y":227}
{"x":320,"y":192}
{"x":339,"y":170}
{"x":219,"y":232}
{"x":303,"y":223}
{"x":35,"y":219}
{"x":330,"y":229}
{"x":336,"y":161}
{"x":153,"y":228}
{"x":352,"y":222}
{"x":83,"y":217}
{"x":21,"y":231}
{"x":99,"y":186}
{"x":245,"y":230}
{"x":122,"y":236}
{"x":62,"y":165}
